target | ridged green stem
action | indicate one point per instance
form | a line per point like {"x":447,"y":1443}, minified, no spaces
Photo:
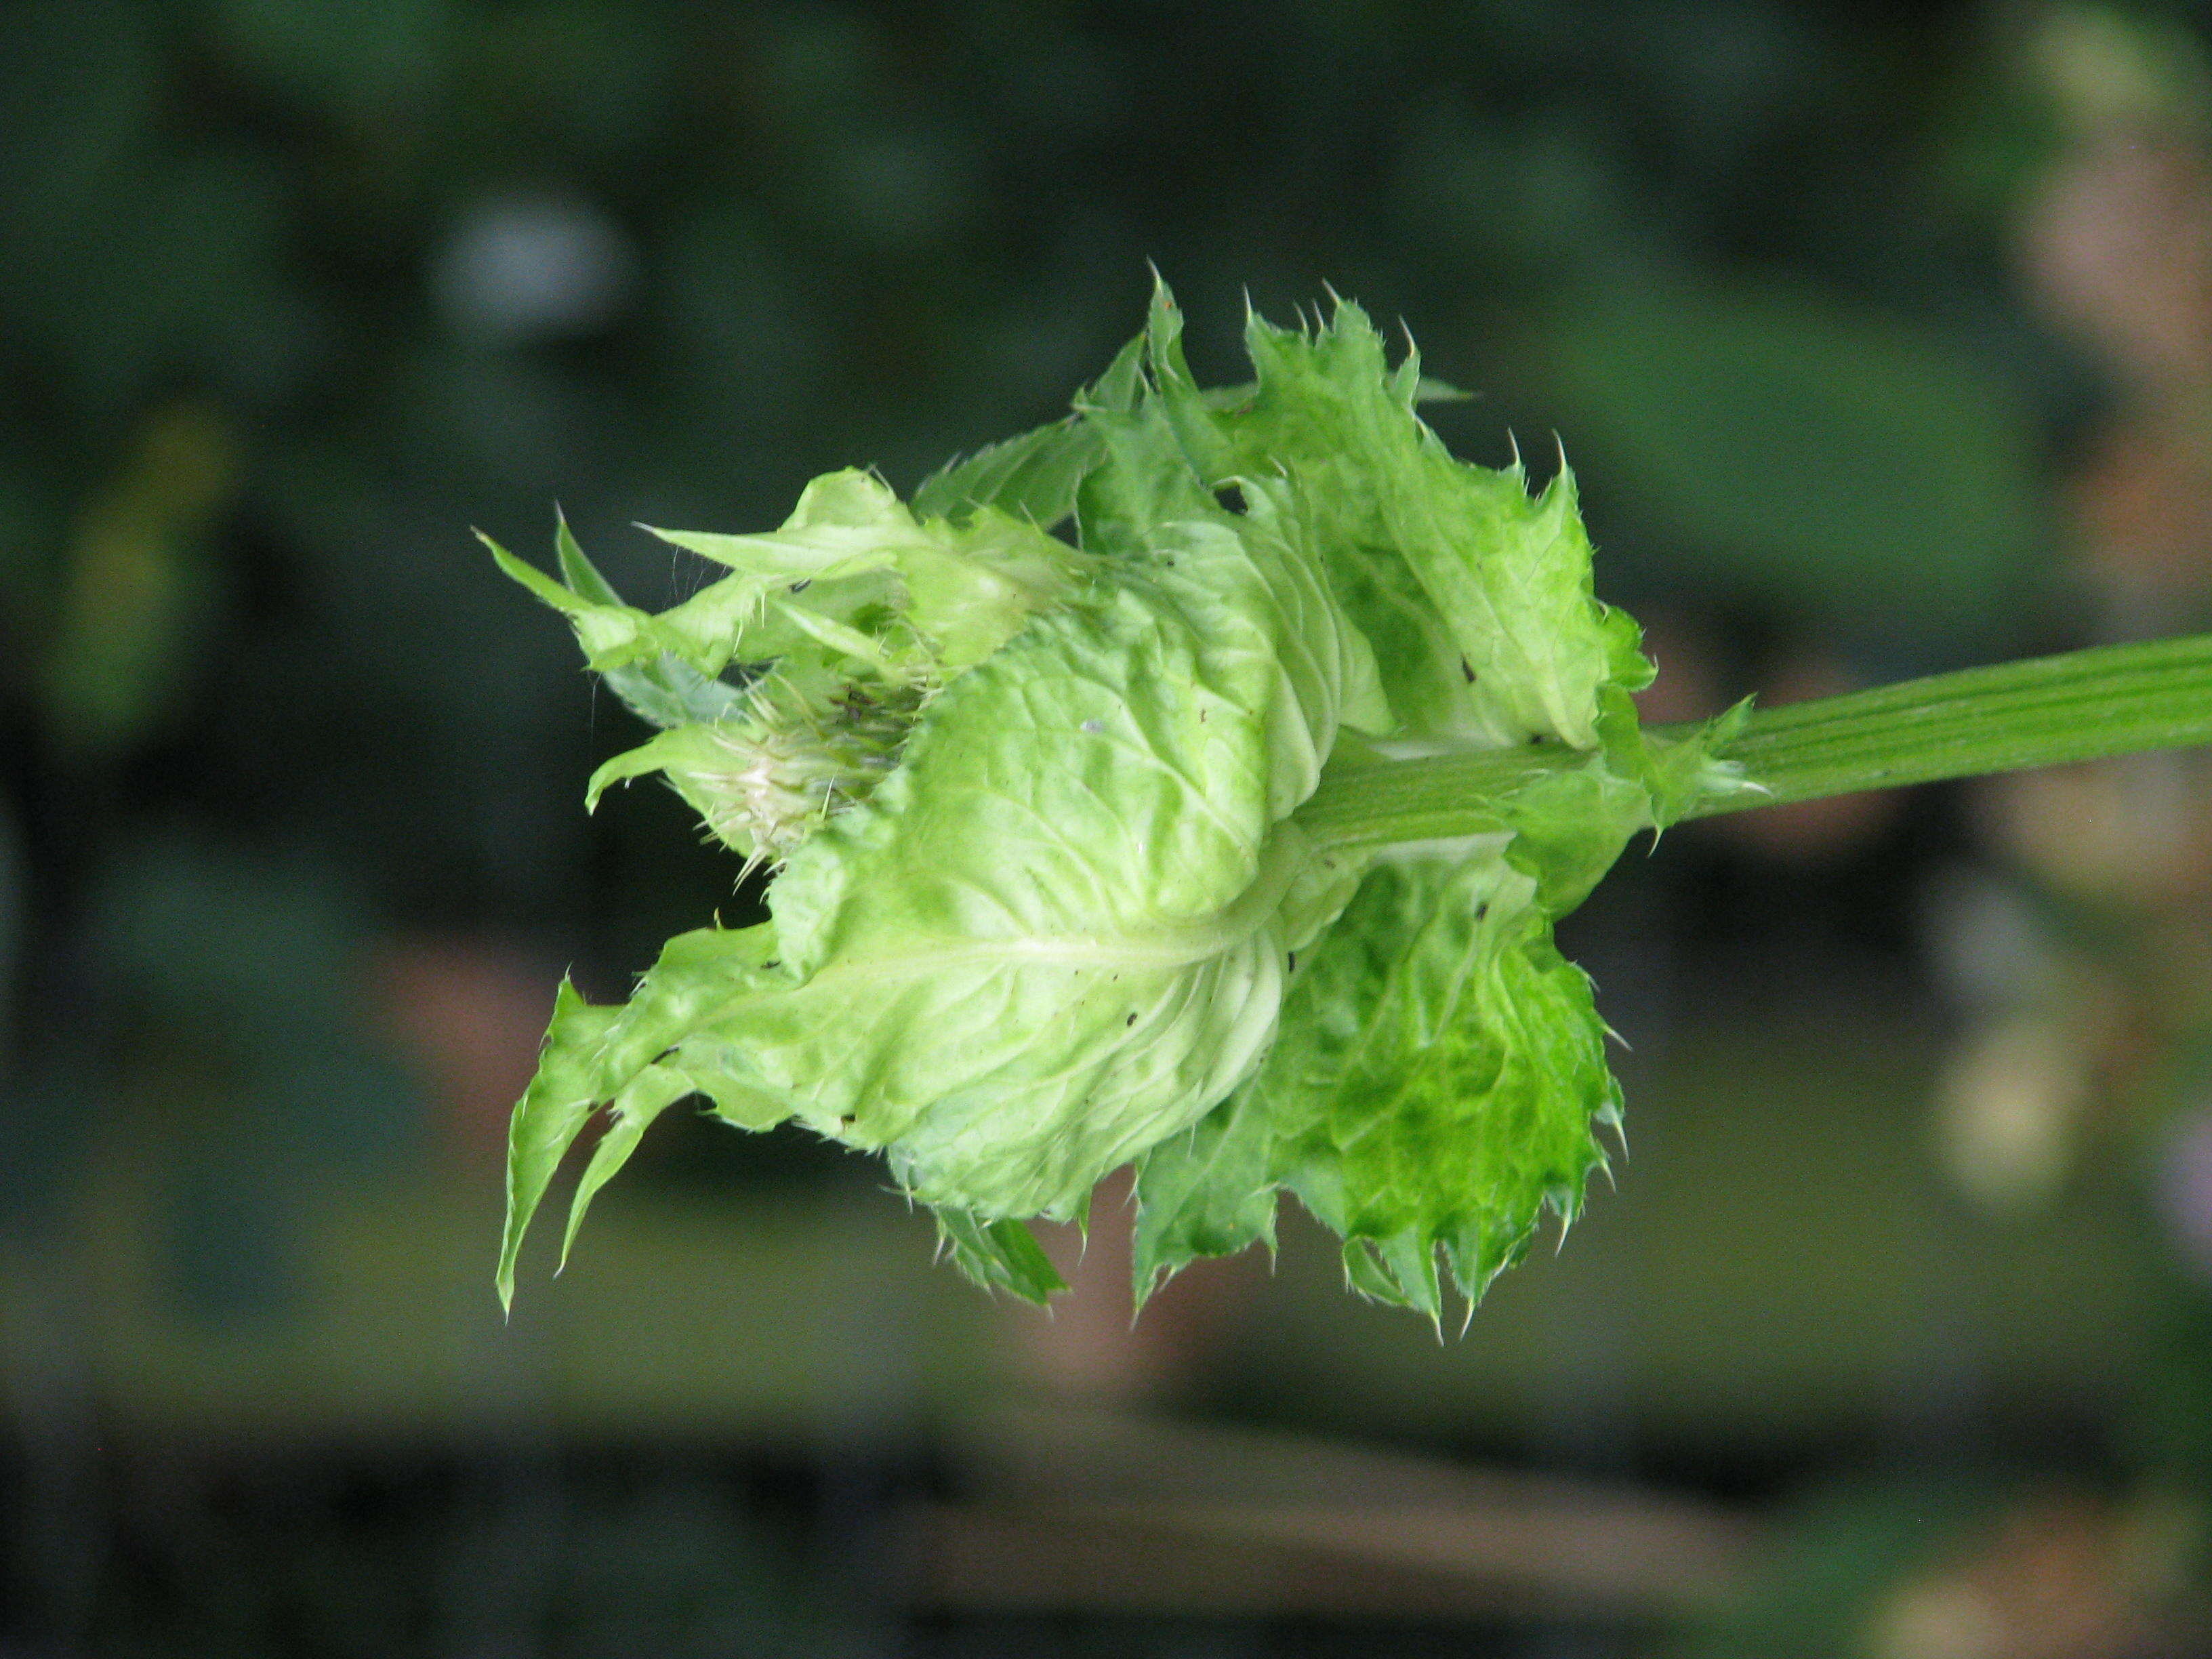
{"x":2046,"y":711}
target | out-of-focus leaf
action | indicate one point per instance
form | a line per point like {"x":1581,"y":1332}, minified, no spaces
{"x":133,"y":589}
{"x":11,"y":925}
{"x":1837,"y":460}
{"x":361,"y":53}
{"x":255,"y":967}
{"x":235,"y":1256}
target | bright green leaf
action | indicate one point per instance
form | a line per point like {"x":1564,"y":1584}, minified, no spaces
{"x":1438,"y":1075}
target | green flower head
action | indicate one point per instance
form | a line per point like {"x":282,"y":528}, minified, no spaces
{"x":1027,"y":757}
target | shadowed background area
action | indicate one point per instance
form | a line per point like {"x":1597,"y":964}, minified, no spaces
{"x":1879,"y":337}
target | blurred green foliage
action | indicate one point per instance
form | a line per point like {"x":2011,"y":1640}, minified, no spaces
{"x":1820,"y":458}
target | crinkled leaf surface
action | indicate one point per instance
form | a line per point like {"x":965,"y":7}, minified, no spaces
{"x":1477,"y":596}
{"x":1057,"y":932}
{"x":1062,"y":915}
{"x":1439,"y":1077}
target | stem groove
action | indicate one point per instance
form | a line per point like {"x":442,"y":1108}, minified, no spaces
{"x":2044,"y":711}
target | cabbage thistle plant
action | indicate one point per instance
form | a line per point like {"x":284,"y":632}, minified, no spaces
{"x":1194,"y":784}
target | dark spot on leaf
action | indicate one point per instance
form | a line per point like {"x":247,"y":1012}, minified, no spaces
{"x":1482,"y":910}
{"x":1228,"y":499}
{"x":1467,"y":671}
{"x":846,"y":1122}
{"x":772,"y":961}
{"x":1535,"y":737}
{"x":1201,"y":717}
{"x":1132,"y":1020}
{"x":802,"y":584}
{"x":1294,"y":963}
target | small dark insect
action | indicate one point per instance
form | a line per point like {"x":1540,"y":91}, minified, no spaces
{"x":772,"y":961}
{"x":1482,"y":910}
{"x":1132,"y":1020}
{"x":1467,"y":671}
{"x":1293,"y":967}
{"x":802,"y":584}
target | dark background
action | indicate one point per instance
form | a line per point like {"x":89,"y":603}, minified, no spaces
{"x":1880,"y":338}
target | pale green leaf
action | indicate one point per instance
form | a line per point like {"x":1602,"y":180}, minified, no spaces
{"x":998,"y":1254}
{"x":549,"y":1116}
{"x":664,"y":692}
{"x":1032,"y":477}
{"x":1209,"y":1191}
{"x":594,"y":1055}
{"x":648,"y":1095}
